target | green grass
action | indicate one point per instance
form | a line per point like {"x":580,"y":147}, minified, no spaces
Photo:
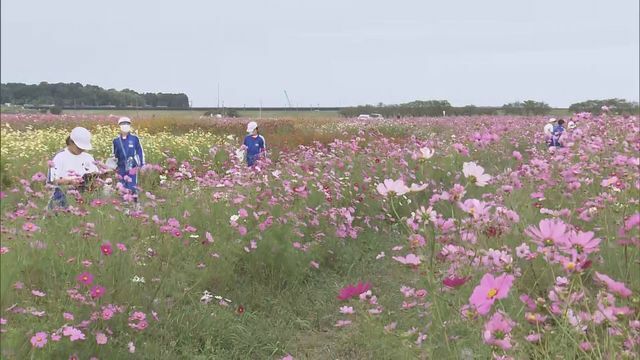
{"x":290,"y":307}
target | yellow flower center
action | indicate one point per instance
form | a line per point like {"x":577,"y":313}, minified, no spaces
{"x":492,"y":293}
{"x":548,"y":242}
{"x":571,"y":265}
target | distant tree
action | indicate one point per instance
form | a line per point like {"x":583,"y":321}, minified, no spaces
{"x":77,"y":95}
{"x":528,"y":107}
{"x":616,"y":106}
{"x":417,"y":108}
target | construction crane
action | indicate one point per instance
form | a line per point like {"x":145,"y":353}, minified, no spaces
{"x":287,"y":96}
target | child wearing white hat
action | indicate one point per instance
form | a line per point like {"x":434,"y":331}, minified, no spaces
{"x":254,"y":143}
{"x":70,"y":165}
{"x":548,"y":130}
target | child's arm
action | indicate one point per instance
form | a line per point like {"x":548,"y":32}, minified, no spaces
{"x":140,"y":153}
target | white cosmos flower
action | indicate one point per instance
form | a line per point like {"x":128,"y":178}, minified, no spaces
{"x":475,"y":173}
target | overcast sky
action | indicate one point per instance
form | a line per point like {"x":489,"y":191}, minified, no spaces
{"x":330,"y":52}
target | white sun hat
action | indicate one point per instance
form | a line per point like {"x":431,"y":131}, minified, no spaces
{"x":551,"y":120}
{"x":82,"y":138}
{"x":252,"y":126}
{"x":124,"y":119}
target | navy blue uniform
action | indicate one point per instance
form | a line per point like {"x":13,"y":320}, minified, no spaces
{"x":128,"y":151}
{"x":255,"y":146}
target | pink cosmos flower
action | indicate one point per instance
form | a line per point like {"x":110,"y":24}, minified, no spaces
{"x":101,"y":338}
{"x":97,"y":291}
{"x":391,"y":187}
{"x":490,"y":289}
{"x":67,"y":316}
{"x":141,"y":325}
{"x":497,"y":331}
{"x":416,"y":240}
{"x":410,"y":259}
{"x":39,"y":340}
{"x":533,"y":338}
{"x":73,"y":333}
{"x":342,"y":323}
{"x":314,"y":264}
{"x":38,"y":293}
{"x":586,"y":346}
{"x":581,"y":242}
{"x":4,"y":250}
{"x":346,"y":310}
{"x":476,"y":208}
{"x":106,"y":249}
{"x":549,"y":232}
{"x":121,"y":246}
{"x":131,"y":347}
{"x":30,"y":227}
{"x":208,"y":237}
{"x":107,"y":313}
{"x":137,"y":316}
{"x":516,"y":155}
{"x":350,"y":290}
{"x":39,"y":177}
{"x":475,"y":174}
{"x":85,"y":278}
{"x":615,"y":287}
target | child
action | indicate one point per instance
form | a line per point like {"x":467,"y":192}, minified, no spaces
{"x":130,"y":156}
{"x":548,"y":130}
{"x":69,"y":166}
{"x":254,"y":144}
{"x":557,"y":133}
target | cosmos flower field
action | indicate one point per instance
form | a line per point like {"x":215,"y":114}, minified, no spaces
{"x":457,"y":237}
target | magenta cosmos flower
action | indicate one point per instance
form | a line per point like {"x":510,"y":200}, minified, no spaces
{"x":549,"y":232}
{"x":497,"y":331}
{"x":350,"y":290}
{"x":490,"y":289}
{"x":106,"y":249}
{"x":97,"y":291}
{"x":454,"y":281}
{"x":615,"y":287}
{"x":85,"y":278}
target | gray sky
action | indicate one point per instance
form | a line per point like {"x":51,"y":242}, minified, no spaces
{"x":330,"y":52}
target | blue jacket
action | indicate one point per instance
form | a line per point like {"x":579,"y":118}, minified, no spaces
{"x":255,"y":146}
{"x":126,"y":148}
{"x":555,"y":137}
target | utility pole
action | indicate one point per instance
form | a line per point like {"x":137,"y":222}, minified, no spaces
{"x":218,"y":97}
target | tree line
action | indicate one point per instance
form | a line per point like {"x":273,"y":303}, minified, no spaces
{"x":528,"y":107}
{"x":78,"y":95}
{"x":616,"y":106}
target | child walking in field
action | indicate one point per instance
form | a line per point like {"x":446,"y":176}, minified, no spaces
{"x":254,"y":143}
{"x":129,"y":155}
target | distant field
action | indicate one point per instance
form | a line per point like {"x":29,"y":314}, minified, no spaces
{"x":195,"y":114}
{"x":267,"y":114}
